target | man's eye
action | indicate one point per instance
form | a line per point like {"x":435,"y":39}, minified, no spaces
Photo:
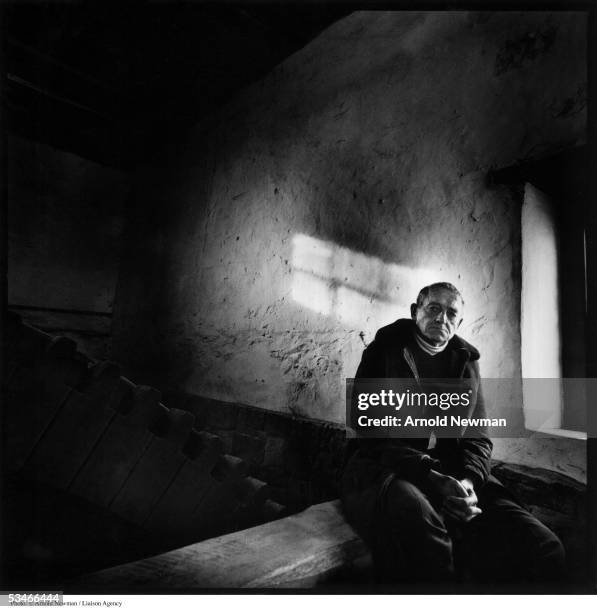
{"x":433,"y":308}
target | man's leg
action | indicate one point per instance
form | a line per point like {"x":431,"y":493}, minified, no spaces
{"x":412,"y":525}
{"x":508,"y":544}
{"x":407,"y":537}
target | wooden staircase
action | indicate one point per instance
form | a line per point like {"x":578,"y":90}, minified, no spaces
{"x":80,"y":441}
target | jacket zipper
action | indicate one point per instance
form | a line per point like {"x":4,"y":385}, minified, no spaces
{"x":411,"y":363}
{"x":466,"y":357}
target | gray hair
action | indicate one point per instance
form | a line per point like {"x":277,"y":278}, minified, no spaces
{"x":427,"y":290}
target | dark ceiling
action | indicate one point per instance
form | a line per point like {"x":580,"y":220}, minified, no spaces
{"x":110,"y":82}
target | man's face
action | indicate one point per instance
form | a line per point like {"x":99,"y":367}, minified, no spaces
{"x":439,"y":316}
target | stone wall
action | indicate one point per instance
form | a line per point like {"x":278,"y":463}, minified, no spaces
{"x":265,"y":249}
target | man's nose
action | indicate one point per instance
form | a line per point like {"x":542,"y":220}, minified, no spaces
{"x":442,"y":317}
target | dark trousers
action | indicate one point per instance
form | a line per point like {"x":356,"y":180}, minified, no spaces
{"x":411,"y":541}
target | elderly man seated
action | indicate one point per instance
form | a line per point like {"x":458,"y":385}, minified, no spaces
{"x":429,"y":508}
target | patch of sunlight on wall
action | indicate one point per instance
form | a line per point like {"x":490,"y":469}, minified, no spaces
{"x":355,"y":288}
{"x":540,"y":324}
{"x":312,"y":292}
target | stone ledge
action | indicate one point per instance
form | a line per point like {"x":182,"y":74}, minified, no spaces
{"x":542,"y":487}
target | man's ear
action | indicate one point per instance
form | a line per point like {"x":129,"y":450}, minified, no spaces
{"x":413,"y":312}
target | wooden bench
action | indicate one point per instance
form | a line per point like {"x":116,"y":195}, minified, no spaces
{"x":317,"y":547}
{"x":299,"y":551}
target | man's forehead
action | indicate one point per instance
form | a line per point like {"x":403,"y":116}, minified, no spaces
{"x":444,"y":297}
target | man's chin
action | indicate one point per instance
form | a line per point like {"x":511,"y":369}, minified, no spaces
{"x":439,"y":338}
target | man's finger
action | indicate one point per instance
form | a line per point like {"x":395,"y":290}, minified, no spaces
{"x":462,"y":514}
{"x":463,"y":518}
{"x":461,"y":489}
{"x":469,"y":501}
{"x":475,"y":511}
{"x":455,"y":516}
{"x":462,"y":502}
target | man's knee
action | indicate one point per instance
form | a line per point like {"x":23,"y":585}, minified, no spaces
{"x":405,"y":501}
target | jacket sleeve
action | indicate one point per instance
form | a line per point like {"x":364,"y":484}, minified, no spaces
{"x":406,"y":461}
{"x":371,"y":365}
{"x":475,"y":446}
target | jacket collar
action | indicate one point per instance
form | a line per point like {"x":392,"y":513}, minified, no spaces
{"x":402,"y":331}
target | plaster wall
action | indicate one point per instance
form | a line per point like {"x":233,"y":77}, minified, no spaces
{"x":268,"y":246}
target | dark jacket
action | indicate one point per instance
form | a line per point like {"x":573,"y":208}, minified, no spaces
{"x":390,"y":356}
